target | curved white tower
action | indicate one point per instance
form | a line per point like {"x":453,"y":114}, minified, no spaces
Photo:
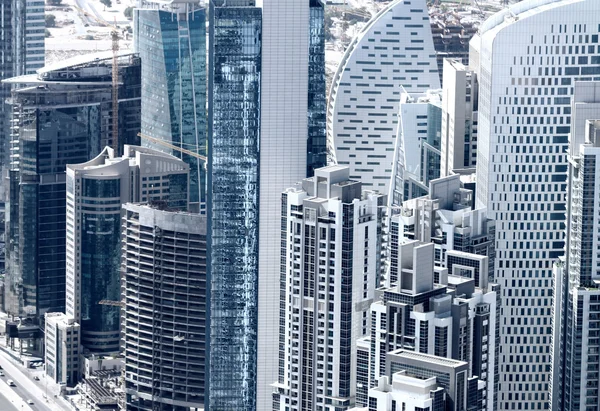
{"x":530,"y":57}
{"x":394,"y":50}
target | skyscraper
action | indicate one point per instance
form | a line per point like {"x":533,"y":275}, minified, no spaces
{"x":292,"y":144}
{"x":96,"y":191}
{"x":171,"y":42}
{"x":394,"y":49}
{"x":22,"y":51}
{"x":447,"y":312}
{"x":416,"y":149}
{"x":62,"y":116}
{"x":266,"y":79}
{"x":576,"y":325}
{"x":331,"y":264}
{"x":235,"y":45}
{"x":459,"y":119}
{"x":528,"y":57}
{"x":28,"y":34}
{"x":165,"y":307}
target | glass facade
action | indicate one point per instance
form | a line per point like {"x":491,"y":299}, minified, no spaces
{"x":47,"y":141}
{"x":58,"y":124}
{"x":100,"y":263}
{"x":172,"y":46}
{"x":234,"y":126}
{"x":317,"y":97}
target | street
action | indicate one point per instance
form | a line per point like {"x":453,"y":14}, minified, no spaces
{"x":26,"y":387}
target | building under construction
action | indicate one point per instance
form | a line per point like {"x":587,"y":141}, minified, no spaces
{"x":62,"y":115}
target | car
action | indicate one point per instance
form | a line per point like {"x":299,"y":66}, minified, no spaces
{"x":36,"y":378}
{"x":29,"y":402}
{"x":11,"y":383}
{"x":1,"y":374}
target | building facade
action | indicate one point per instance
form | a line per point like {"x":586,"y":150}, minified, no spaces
{"x":62,"y":348}
{"x":526,"y":71}
{"x":164,"y":291}
{"x":267,"y":106}
{"x":446,"y":217}
{"x":233,"y":181}
{"x":62,"y":116}
{"x":394,"y":50}
{"x":459,"y":119}
{"x":171,"y":42}
{"x":417,"y":146}
{"x":331,"y":263}
{"x":448,"y":313}
{"x":96,"y":191}
{"x":577,"y":280}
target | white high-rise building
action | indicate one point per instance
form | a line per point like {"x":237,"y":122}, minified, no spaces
{"x":292,"y":144}
{"x":416,"y":153}
{"x":331,"y":244}
{"x":576,"y":325}
{"x":459,"y":119}
{"x":394,"y":50}
{"x":528,"y":57}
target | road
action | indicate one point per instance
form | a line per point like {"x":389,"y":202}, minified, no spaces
{"x":25,"y":386}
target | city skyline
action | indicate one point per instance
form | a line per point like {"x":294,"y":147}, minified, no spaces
{"x":373,"y":206}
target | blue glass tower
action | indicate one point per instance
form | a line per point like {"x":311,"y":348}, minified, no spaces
{"x":317,"y":99}
{"x":233,"y":169}
{"x":172,"y":45}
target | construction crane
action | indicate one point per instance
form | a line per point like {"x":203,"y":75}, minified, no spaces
{"x":112,"y":303}
{"x":172,"y":146}
{"x":114,"y":35}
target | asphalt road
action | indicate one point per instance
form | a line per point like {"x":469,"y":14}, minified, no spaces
{"x":25,"y":387}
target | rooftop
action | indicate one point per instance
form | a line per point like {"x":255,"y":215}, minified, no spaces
{"x":432,"y":359}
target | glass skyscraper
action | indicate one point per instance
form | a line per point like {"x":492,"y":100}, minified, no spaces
{"x":234,"y":126}
{"x":62,"y":116}
{"x":96,"y":191}
{"x":267,"y":129}
{"x":317,"y":98}
{"x":171,"y":42}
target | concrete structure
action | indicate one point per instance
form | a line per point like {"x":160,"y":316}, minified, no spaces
{"x":62,"y":343}
{"x":423,"y":309}
{"x":171,"y":42}
{"x":394,"y":50}
{"x":461,"y":392}
{"x":446,"y":217}
{"x":332,"y":243}
{"x":63,"y":115}
{"x":417,"y":146}
{"x":526,"y":71}
{"x":267,"y":106}
{"x":164,"y":291}
{"x":407,"y":392}
{"x":459,"y":119}
{"x":576,"y":320}
{"x":96,"y":191}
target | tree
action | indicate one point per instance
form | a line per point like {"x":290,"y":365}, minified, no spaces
{"x":107,"y":3}
{"x":128,"y":13}
{"x":50,"y":20}
{"x":47,"y":33}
